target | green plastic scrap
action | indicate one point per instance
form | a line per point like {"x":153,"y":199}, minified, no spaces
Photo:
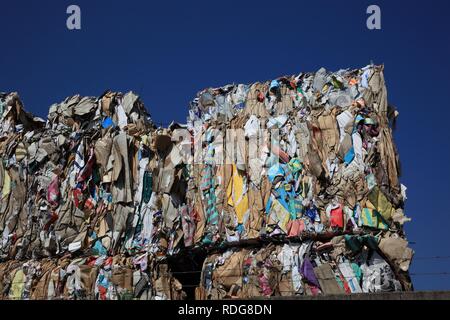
{"x":356,"y":243}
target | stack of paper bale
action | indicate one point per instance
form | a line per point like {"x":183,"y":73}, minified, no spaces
{"x":309,"y":158}
{"x":288,"y":187}
{"x":73,"y":214}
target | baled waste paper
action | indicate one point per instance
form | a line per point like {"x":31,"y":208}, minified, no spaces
{"x":281,"y":188}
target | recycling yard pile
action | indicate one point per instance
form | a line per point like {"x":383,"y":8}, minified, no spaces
{"x":288,"y":187}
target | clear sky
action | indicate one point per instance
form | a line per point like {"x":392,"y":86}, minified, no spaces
{"x":167,"y":51}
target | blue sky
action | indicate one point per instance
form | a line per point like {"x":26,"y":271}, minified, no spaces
{"x":167,"y":51}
